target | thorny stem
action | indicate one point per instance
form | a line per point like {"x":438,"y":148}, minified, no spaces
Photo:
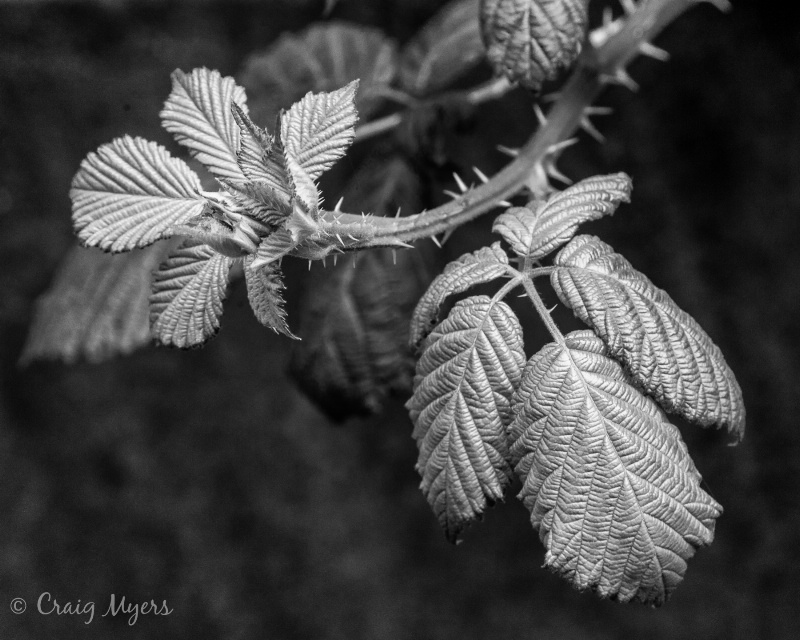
{"x":602,"y":62}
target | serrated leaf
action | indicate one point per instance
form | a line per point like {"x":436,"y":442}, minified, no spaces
{"x":663,"y":348}
{"x":317,"y":130}
{"x":265,"y":293}
{"x":478,"y":267}
{"x":446,"y":47}
{"x":536,"y":230}
{"x":530,"y":41}
{"x":198,"y":113}
{"x":260,"y":156}
{"x":609,"y":482}
{"x":129,"y":193}
{"x":187,"y":294}
{"x":322,"y":57}
{"x":96,"y":308}
{"x":466,"y":375}
{"x":355,"y":315}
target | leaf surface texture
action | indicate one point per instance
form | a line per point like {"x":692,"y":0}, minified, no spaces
{"x":265,"y":293}
{"x":198,"y":113}
{"x":530,"y":41}
{"x":478,"y":267}
{"x":536,"y":230}
{"x":129,"y":193}
{"x":317,"y":130}
{"x":609,"y":482}
{"x":663,"y":348}
{"x":465,"y":377}
{"x":187,"y":294}
{"x":260,"y":156}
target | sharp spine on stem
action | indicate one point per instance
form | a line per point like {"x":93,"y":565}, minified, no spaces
{"x":513,"y":153}
{"x":651,"y":51}
{"x":481,"y":175}
{"x":461,"y":184}
{"x":539,"y":114}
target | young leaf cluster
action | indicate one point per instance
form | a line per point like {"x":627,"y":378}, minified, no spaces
{"x":131,"y":193}
{"x":609,"y":482}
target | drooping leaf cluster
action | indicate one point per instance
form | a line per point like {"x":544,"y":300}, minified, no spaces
{"x":608,"y":480}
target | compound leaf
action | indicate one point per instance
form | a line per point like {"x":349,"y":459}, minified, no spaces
{"x":481,"y":266}
{"x":536,"y":230}
{"x":260,"y":156}
{"x":530,"y":41}
{"x":187,"y":294}
{"x":609,"y":482}
{"x":317,"y":130}
{"x":466,"y":375}
{"x":265,"y":292}
{"x":322,"y":57}
{"x":96,"y":308}
{"x":129,"y":193}
{"x":445,"y":48}
{"x":198,"y":113}
{"x":663,"y":348}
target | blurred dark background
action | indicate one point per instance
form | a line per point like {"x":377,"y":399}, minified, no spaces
{"x":207,"y":480}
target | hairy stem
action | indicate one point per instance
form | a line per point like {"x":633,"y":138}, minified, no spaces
{"x":602,"y":62}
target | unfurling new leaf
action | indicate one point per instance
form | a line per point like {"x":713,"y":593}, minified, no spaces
{"x":664,"y":350}
{"x":466,"y":375}
{"x":186,"y":300}
{"x":129,"y":193}
{"x":530,"y":41}
{"x":260,"y":157}
{"x":541,"y":227}
{"x":483,"y":265}
{"x":608,"y":481}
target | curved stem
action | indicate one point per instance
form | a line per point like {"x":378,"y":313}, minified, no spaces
{"x":602,"y":62}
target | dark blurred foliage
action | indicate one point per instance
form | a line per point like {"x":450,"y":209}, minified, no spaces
{"x":206,"y":480}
